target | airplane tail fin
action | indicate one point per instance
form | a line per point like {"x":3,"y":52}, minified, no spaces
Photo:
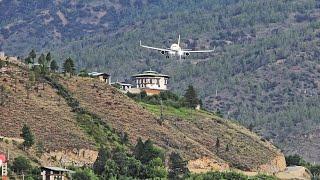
{"x":179,"y":40}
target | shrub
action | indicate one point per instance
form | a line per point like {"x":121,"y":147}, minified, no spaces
{"x":21,"y":164}
{"x":84,"y":174}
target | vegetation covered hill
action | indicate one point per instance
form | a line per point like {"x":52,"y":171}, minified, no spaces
{"x":264,"y":71}
{"x":71,"y":117}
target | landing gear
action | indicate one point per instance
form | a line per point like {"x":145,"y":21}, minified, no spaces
{"x":167,"y":56}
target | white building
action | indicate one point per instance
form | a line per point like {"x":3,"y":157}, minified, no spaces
{"x":125,"y":87}
{"x":53,"y":173}
{"x":152,"y":82}
{"x":2,"y":55}
{"x":102,"y":76}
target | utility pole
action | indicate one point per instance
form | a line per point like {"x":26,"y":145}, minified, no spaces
{"x":161,"y":112}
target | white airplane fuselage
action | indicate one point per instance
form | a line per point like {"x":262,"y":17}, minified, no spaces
{"x":175,"y":50}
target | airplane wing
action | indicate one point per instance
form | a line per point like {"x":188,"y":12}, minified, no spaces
{"x":200,"y":51}
{"x":154,"y":48}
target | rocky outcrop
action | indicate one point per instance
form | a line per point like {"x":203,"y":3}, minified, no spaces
{"x":73,"y":157}
{"x":276,"y":165}
{"x":294,"y":172}
{"x":206,"y":164}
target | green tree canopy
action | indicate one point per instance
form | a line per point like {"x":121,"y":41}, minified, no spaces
{"x":191,"y":97}
{"x":68,"y":66}
{"x":54,"y":66}
{"x":84,"y":174}
{"x":100,"y":163}
{"x":33,"y":55}
{"x":27,"y":136}
{"x":145,"y":152}
{"x":177,"y":166}
{"x":21,"y":164}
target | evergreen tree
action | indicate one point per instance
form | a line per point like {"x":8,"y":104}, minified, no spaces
{"x":21,"y":164}
{"x":42,"y":62}
{"x":54,"y":66}
{"x":124,"y":138}
{"x":28,"y":60}
{"x":217,"y":144}
{"x":48,"y":57}
{"x":68,"y":66}
{"x":177,"y":166}
{"x":100,"y":163}
{"x":251,"y":126}
{"x":139,"y":149}
{"x":27,"y":136}
{"x":151,"y":152}
{"x":2,"y":64}
{"x":41,"y":59}
{"x":33,"y":55}
{"x":156,"y":169}
{"x":191,"y":97}
{"x":145,"y":152}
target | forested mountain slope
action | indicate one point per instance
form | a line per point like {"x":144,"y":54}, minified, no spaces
{"x":265,"y":70}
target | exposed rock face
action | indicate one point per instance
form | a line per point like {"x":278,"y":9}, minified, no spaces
{"x":276,"y":165}
{"x":294,"y":172}
{"x":206,"y":164}
{"x":73,"y":157}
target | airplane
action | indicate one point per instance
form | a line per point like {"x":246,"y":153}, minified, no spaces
{"x":175,"y":49}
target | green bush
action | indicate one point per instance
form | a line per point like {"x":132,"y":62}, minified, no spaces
{"x":21,"y":164}
{"x":84,"y":174}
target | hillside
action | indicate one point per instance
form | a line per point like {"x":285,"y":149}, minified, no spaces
{"x":264,"y":71}
{"x":65,"y":133}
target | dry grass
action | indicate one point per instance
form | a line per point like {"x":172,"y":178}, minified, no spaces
{"x":193,"y":136}
{"x":48,"y":115}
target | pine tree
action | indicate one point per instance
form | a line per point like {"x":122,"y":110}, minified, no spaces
{"x":100,"y":163}
{"x":41,"y":59}
{"x":42,"y":62}
{"x":191,"y":97}
{"x":48,"y":57}
{"x":28,"y":60}
{"x":177,"y":166}
{"x":227,"y":148}
{"x":124,"y":138}
{"x":68,"y":66}
{"x":27,"y":136}
{"x":54,"y":66}
{"x":33,"y":55}
{"x":139,"y":149}
{"x":251,"y":126}
{"x":217,"y":144}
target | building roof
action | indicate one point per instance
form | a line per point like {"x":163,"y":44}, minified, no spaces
{"x":97,"y":74}
{"x":151,"y":74}
{"x":122,"y":83}
{"x":57,"y":169}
